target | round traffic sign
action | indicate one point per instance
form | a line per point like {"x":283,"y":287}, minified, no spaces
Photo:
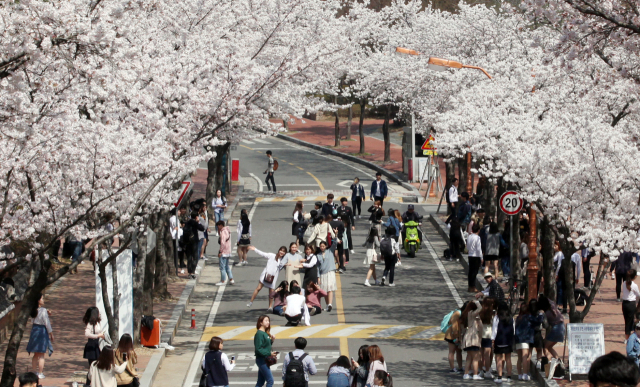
{"x":511,"y":203}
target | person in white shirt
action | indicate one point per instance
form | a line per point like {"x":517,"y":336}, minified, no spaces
{"x":630,"y":297}
{"x":453,"y":200}
{"x":474,"y":246}
{"x":296,"y":308}
{"x":216,"y":364}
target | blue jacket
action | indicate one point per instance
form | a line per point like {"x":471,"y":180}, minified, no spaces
{"x":525,"y":327}
{"x":374,"y":188}
{"x":357,"y":190}
{"x":392,"y":221}
{"x":633,"y":348}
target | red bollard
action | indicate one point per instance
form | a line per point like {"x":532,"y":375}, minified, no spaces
{"x":193,"y":319}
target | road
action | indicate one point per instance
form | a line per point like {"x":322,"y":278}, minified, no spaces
{"x":404,"y":321}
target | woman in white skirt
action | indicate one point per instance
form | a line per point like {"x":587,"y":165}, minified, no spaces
{"x":327,"y":274}
{"x":372,"y":244}
{"x":269,"y":276}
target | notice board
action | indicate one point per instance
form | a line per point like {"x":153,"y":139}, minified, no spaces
{"x":585,"y":344}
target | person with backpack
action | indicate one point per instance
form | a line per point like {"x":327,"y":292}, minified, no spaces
{"x":372,"y":244}
{"x":272,"y":166}
{"x":190,"y":241}
{"x":327,"y":274}
{"x":298,"y":365}
{"x":357,"y":197}
{"x":502,"y":335}
{"x":390,"y":251}
{"x":451,"y":326}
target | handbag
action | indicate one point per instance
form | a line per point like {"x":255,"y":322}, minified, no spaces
{"x":203,"y":379}
{"x":271,"y":360}
{"x":268,"y":279}
{"x":136,"y":382}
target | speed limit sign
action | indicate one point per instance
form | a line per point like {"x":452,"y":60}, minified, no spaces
{"x":511,"y":203}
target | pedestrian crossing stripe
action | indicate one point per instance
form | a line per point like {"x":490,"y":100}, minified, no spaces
{"x":315,"y":199}
{"x":329,"y":331}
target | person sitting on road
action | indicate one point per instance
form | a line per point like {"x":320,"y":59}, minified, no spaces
{"x":289,"y":376}
{"x":314,"y":295}
{"x":493,"y":289}
{"x":408,"y":216}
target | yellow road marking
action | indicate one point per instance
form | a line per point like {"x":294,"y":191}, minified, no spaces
{"x":246,"y":147}
{"x":299,"y":198}
{"x":259,"y":199}
{"x":317,"y":180}
{"x":300,"y":168}
{"x":344,"y":342}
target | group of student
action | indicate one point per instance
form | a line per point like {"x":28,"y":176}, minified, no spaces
{"x":487,"y":329}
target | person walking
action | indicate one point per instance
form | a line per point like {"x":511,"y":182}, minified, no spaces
{"x":346,"y":214}
{"x":492,"y":250}
{"x":41,"y":336}
{"x":393,"y":221}
{"x":338,"y":373}
{"x":503,"y":334}
{"x":298,"y":365}
{"x":243,"y":231}
{"x":203,"y":236}
{"x":452,"y":200}
{"x":555,"y":331}
{"x":298,"y":225}
{"x":633,"y":345}
{"x":456,"y":240}
{"x":224,"y":254}
{"x":630,"y":297}
{"x":472,"y":339}
{"x":262,"y":342}
{"x":271,"y":168}
{"x":623,"y":265}
{"x":104,"y":370}
{"x":376,"y":216}
{"x":219,"y":204}
{"x":376,"y":362}
{"x":329,"y":206}
{"x":372,"y":244}
{"x":126,"y":353}
{"x":216,"y":364}
{"x":357,"y":197}
{"x":360,"y":368}
{"x":327,"y":274}
{"x":378,"y":189}
{"x":390,"y":251}
{"x":175,"y":238}
{"x":338,"y":245}
{"x":93,"y":333}
{"x":191,"y":242}
{"x":269,"y":276}
{"x":474,"y":246}
{"x":291,"y":261}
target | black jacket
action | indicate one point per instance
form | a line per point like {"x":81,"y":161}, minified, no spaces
{"x":337,"y":225}
{"x":376,"y":214}
{"x":195,"y":227}
{"x":327,"y":209}
{"x":346,"y":214}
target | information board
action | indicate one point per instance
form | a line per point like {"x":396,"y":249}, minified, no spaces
{"x":585,"y":344}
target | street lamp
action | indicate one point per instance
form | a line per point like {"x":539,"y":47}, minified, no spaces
{"x":438,"y":64}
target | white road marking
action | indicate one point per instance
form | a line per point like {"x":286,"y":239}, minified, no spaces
{"x":276,"y":330}
{"x":351,"y":330}
{"x":429,"y":333}
{"x":234,"y":332}
{"x":261,"y":141}
{"x":311,"y":331}
{"x":258,"y":180}
{"x":391,"y":331}
{"x":248,"y":142}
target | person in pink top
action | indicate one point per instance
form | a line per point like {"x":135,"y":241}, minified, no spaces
{"x":225,"y":253}
{"x":314,"y":295}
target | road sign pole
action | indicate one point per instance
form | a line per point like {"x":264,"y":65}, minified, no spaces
{"x":413,"y":146}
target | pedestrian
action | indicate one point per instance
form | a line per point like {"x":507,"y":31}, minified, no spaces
{"x":538,"y":339}
{"x":613,"y":369}
{"x":179,"y":261}
{"x":493,"y":289}
{"x":262,"y":342}
{"x":477,"y":217}
{"x":278,"y":298}
{"x":104,"y":370}
{"x":360,"y":368}
{"x":630,"y":297}
{"x":216,"y":364}
{"x":633,"y":345}
{"x":558,"y":260}
{"x":492,"y":251}
{"x":376,"y":362}
{"x":393,"y":221}
{"x":126,"y":353}
{"x":587,"y":254}
{"x":41,"y":335}
{"x":219,"y":204}
{"x":503,"y":335}
{"x":269,"y":276}
{"x":346,"y":214}
{"x":474,"y":246}
{"x":472,"y":339}
{"x":29,"y":379}
{"x":390,"y":252}
{"x":298,"y":365}
{"x":203,"y":236}
{"x":623,"y":266}
{"x":327,"y":275}
{"x":452,"y":200}
{"x":525,"y":338}
{"x":322,"y":232}
{"x":382,"y":379}
{"x":298,"y":225}
{"x":376,"y":215}
{"x":297,"y":309}
{"x":456,"y":242}
{"x":291,"y":261}
{"x":555,"y":331}
{"x":224,"y":254}
{"x":339,"y":372}
{"x":486,"y":343}
{"x":329,"y":206}
{"x":453,"y":337}
{"x":378,"y":189}
{"x":337,"y":247}
{"x":243,"y":231}
{"x":505,"y":251}
{"x":191,"y":242}
{"x":357,"y":197}
{"x":372,"y":244}
{"x":314,"y":294}
{"x":346,"y":246}
{"x":93,"y":333}
{"x":271,"y":168}
{"x":310,"y":265}
{"x":175,"y":237}
{"x":465,"y":211}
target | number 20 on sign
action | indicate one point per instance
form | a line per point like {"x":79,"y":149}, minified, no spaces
{"x":511,"y":203}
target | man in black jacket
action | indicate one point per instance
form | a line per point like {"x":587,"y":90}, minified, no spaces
{"x":190,"y":235}
{"x":337,"y":245}
{"x":346,"y":214}
{"x":329,"y":206}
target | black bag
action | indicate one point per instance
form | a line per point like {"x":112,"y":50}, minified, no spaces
{"x":447,"y":253}
{"x":386,"y":248}
{"x":188,"y":236}
{"x":294,"y":375}
{"x":203,"y":379}
{"x":136,"y":382}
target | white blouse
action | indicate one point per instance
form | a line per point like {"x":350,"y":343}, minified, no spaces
{"x":43,"y":319}
{"x":630,"y":295}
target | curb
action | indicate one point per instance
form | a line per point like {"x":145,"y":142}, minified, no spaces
{"x":354,"y":159}
{"x":150,"y":372}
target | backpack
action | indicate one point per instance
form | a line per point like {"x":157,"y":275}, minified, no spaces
{"x":386,"y":248}
{"x":446,"y":321}
{"x":275,"y":165}
{"x":188,"y":236}
{"x":447,"y":253}
{"x":294,"y":375}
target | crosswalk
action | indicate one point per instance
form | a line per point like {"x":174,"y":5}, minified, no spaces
{"x":329,"y":331}
{"x":253,"y":141}
{"x":289,"y":198}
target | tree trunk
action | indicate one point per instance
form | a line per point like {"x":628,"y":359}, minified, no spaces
{"x":450,"y":168}
{"x":363,"y":103}
{"x":603,"y":266}
{"x":385,"y":134}
{"x":462,"y":175}
{"x":546,"y":242}
{"x":164,"y":250}
{"x":349,"y":122}
{"x":150,"y":270}
{"x":111,"y":313}
{"x":500,"y":216}
{"x":138,"y":284}
{"x":489,"y":198}
{"x":30,"y":298}
{"x":337,"y":122}
{"x":215,"y":175}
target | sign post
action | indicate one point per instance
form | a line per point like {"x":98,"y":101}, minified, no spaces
{"x":511,"y":204}
{"x":586,"y":344}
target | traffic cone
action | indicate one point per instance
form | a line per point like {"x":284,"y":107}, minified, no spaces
{"x":193,"y":319}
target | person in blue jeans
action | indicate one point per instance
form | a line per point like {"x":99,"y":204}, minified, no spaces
{"x":219,"y":204}
{"x":224,"y":254}
{"x":262,"y":342}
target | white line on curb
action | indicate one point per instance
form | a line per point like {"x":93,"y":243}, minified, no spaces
{"x":258,"y":180}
